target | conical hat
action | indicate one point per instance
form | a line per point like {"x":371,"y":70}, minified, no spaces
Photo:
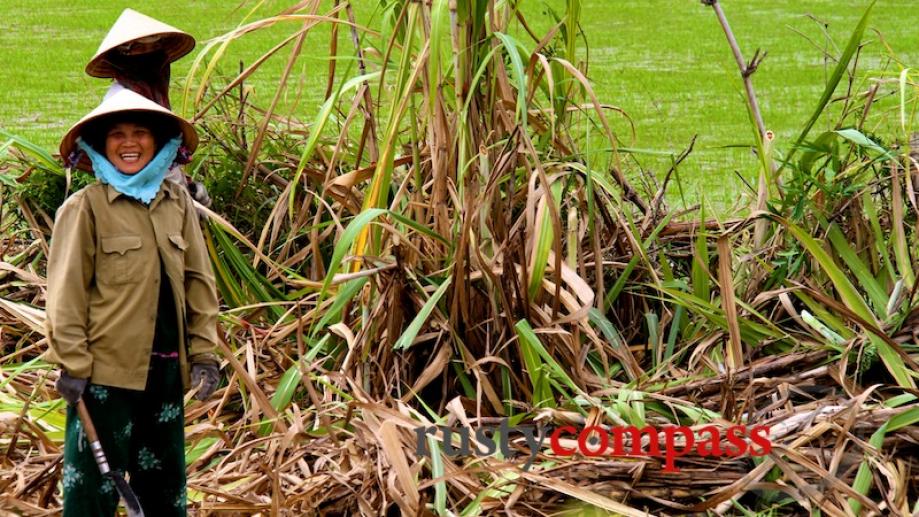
{"x":132,"y":26}
{"x":118,"y":100}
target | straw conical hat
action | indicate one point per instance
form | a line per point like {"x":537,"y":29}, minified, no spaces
{"x":118,"y":100}
{"x":134,"y":27}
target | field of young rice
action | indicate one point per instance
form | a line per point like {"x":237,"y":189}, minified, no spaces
{"x":665,"y":63}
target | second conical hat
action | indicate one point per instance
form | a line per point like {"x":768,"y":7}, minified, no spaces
{"x":133,"y":27}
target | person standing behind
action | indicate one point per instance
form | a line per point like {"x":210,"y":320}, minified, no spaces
{"x":138,"y":53}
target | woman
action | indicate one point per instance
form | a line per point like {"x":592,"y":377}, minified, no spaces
{"x":137,"y":53}
{"x":131,"y":305}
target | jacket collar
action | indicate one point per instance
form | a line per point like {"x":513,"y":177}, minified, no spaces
{"x":167,"y":189}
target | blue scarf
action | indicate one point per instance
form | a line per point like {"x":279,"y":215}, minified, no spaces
{"x":142,"y":185}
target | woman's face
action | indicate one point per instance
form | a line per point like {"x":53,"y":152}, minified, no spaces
{"x":129,"y":147}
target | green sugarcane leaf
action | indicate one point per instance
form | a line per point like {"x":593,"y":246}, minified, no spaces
{"x":617,"y":288}
{"x":344,"y":244}
{"x":544,"y":241}
{"x":437,"y":472}
{"x":826,"y":316}
{"x":524,"y":329}
{"x":408,"y":336}
{"x":841,"y":66}
{"x":861,"y":270}
{"x":542,"y":396}
{"x":904,"y":419}
{"x":854,"y":302}
{"x":198,"y":449}
{"x":517,"y":73}
{"x":420,"y":228}
{"x":284,"y":394}
{"x":286,"y":388}
{"x":862,"y":482}
{"x":857,"y":137}
{"x":347,"y":292}
{"x":701,"y":282}
{"x":43,"y":156}
{"x":880,"y":239}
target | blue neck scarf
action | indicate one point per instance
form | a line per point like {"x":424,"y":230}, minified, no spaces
{"x":141,"y":186}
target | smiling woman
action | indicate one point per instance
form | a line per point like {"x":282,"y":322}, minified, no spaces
{"x":132,"y":306}
{"x":129,"y":146}
{"x":120,"y":136}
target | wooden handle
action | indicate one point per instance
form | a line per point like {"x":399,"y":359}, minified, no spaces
{"x":88,"y":426}
{"x":93,"y":438}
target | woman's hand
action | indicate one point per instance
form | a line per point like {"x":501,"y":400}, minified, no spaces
{"x":70,"y":388}
{"x":207,"y":376}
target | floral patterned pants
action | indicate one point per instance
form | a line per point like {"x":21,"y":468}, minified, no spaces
{"x":142,"y":433}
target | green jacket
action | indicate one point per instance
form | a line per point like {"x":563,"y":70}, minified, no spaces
{"x":103,"y":284}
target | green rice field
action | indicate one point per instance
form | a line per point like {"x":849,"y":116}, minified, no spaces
{"x":664,"y":62}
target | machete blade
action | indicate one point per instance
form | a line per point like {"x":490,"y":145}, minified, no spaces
{"x":130,"y":499}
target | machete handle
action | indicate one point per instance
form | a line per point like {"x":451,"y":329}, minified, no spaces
{"x":88,"y":426}
{"x":93,"y":437}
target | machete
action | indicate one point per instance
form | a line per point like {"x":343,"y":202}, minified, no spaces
{"x":130,"y":499}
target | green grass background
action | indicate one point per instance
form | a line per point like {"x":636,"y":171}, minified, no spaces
{"x":665,"y":62}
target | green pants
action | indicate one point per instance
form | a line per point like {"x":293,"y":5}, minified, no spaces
{"x":142,"y":433}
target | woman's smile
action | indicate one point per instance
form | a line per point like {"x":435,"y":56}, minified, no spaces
{"x":129,"y":147}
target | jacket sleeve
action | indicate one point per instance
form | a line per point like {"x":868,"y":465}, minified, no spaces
{"x":71,"y":263}
{"x":200,"y":292}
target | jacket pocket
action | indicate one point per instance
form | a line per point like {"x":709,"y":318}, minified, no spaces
{"x":121,"y":259}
